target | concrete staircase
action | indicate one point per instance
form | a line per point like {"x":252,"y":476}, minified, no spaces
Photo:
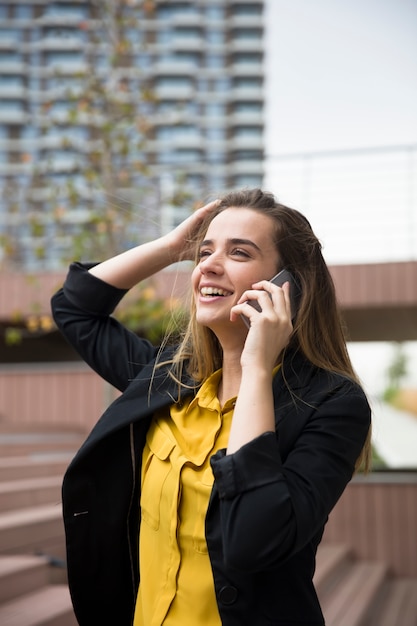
{"x":360,"y":593}
{"x":33,"y":588}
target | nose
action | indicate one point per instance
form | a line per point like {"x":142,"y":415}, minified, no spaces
{"x":211,"y":264}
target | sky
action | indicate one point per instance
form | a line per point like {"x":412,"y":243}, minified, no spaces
{"x":342,"y":75}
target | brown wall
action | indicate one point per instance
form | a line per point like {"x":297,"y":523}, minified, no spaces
{"x":377,"y":517}
{"x":63,"y":395}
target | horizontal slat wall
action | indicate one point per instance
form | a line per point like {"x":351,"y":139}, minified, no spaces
{"x":60,"y":395}
{"x":378,"y":519}
{"x":376,"y":285}
{"x":357,"y":286}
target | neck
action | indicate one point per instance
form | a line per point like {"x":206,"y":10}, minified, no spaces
{"x":231,"y":377}
{"x":232,"y":345}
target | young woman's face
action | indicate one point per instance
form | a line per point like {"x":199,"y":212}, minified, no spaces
{"x":238,"y":250}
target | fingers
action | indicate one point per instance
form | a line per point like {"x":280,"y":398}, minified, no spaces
{"x":272,"y":301}
{"x":210,"y":206}
{"x":183,"y":235}
{"x":200,"y":214}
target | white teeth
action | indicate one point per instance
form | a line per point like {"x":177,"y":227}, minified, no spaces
{"x":213,"y":291}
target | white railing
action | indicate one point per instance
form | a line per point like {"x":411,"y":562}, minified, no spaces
{"x":361,"y":203}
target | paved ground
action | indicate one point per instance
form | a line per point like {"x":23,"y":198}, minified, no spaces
{"x":395,"y":435}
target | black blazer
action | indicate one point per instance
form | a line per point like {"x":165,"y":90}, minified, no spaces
{"x":270,"y":499}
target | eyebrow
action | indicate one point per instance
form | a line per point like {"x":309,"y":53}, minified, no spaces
{"x":236,"y":241}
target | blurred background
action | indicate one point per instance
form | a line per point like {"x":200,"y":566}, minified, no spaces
{"x":119,"y":117}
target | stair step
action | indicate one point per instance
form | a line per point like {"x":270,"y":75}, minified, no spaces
{"x":31,"y":530}
{"x":17,"y":494}
{"x":18,"y":443}
{"x":49,"y":606}
{"x":35,"y":465}
{"x":350,"y":603}
{"x":398,"y":606}
{"x":21,"y":574}
{"x":331,"y":564}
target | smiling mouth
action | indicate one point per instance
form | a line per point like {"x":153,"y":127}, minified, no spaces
{"x":214,"y":291}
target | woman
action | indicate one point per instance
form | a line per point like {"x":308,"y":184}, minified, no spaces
{"x":236,"y":444}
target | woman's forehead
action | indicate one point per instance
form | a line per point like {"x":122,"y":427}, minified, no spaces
{"x":235,"y":219}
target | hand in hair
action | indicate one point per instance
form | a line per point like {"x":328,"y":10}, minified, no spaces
{"x":182,"y":239}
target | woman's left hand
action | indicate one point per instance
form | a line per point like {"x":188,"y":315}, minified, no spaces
{"x":270,"y":328}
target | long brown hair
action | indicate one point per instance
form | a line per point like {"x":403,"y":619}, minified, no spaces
{"x":318,"y":329}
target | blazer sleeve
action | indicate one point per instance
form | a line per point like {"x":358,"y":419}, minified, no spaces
{"x":82,"y":311}
{"x":272,"y":508}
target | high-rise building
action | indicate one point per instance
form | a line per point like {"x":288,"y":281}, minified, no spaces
{"x":202,"y":61}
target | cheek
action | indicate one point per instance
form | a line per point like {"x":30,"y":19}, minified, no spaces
{"x":195,"y":277}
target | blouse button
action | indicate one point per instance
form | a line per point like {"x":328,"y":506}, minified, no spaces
{"x":228,"y":595}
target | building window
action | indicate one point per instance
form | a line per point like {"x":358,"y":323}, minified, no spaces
{"x":216,"y":183}
{"x":28,"y":132}
{"x":175,"y":9}
{"x":253,"y":34}
{"x":63,"y":57}
{"x":23,"y":11}
{"x":60,"y":107}
{"x":247,"y":107}
{"x":165,"y":133}
{"x":247,"y":57}
{"x":69,"y":9}
{"x":63,"y":34}
{"x":247,"y":155}
{"x":10,"y":56}
{"x":247,"y":131}
{"x":185,"y":32}
{"x":172,"y":106}
{"x":11,"y":35}
{"x":247,"y":180}
{"x":10,"y":80}
{"x":11,"y":105}
{"x":191,"y":59}
{"x":188,"y":156}
{"x":254,"y":9}
{"x":173,"y":81}
{"x":247,"y":82}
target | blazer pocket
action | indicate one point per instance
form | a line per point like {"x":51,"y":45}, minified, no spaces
{"x":156,"y":467}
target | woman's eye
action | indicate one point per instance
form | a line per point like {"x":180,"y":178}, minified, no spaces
{"x":203,"y":253}
{"x":240,"y":252}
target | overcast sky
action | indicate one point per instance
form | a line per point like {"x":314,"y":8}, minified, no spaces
{"x":340,"y":74}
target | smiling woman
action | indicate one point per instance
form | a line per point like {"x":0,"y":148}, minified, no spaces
{"x":225,"y":454}
{"x":230,"y":266}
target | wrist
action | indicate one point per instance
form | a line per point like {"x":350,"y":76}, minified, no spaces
{"x":173,"y":247}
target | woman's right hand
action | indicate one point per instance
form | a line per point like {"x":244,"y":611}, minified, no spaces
{"x":130,"y":267}
{"x":181,"y":240}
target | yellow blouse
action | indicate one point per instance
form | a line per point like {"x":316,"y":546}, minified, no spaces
{"x":177,"y":585}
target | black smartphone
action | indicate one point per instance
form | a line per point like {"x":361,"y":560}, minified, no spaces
{"x":279,"y":279}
